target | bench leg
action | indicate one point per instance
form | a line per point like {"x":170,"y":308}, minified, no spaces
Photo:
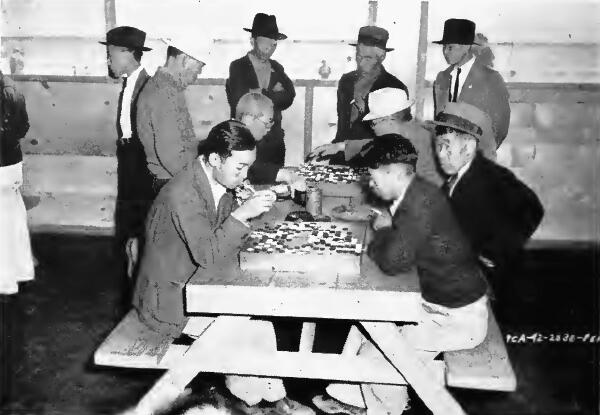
{"x":404,"y":358}
{"x":170,"y":386}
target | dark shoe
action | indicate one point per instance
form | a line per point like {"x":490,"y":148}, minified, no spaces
{"x":333,"y":406}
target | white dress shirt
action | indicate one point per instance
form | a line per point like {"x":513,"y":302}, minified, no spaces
{"x":217,"y":189}
{"x":464,"y":72}
{"x":125,"y":119}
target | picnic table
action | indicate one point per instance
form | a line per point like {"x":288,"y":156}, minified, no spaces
{"x":373,"y":300}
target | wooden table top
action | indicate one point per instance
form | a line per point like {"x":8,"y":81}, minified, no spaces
{"x":371,"y":295}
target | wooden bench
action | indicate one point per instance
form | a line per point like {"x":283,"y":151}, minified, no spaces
{"x":486,"y":367}
{"x":133,"y":345}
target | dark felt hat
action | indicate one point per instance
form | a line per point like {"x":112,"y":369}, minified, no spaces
{"x":387,"y":149}
{"x":126,"y":36}
{"x":458,"y":31}
{"x":373,"y":36}
{"x":265,"y":25}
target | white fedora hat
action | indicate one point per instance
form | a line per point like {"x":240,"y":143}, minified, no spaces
{"x":196,"y":47}
{"x":387,"y":101}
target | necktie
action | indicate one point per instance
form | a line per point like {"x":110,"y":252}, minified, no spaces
{"x":450,"y":183}
{"x":120,"y":106}
{"x":455,"y":94}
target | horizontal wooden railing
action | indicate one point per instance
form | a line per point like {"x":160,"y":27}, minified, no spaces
{"x":521,"y":92}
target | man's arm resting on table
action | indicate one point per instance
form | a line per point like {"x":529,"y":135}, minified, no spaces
{"x":208,"y":245}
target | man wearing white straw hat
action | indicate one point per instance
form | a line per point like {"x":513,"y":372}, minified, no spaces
{"x":163,"y":119}
{"x":390,"y":113}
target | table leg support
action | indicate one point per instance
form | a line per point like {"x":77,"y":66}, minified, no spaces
{"x":403,"y":357}
{"x":172,"y":384}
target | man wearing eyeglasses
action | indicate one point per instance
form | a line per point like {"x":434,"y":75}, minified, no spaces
{"x":255,"y":110}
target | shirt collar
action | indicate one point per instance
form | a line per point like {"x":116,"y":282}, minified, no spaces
{"x":217,"y":189}
{"x":132,"y":79}
{"x":257,"y":61}
{"x":465,"y":68}
{"x":396,"y":203}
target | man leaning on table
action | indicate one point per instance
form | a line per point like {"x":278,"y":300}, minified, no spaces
{"x":422,"y":232}
{"x":197,"y":227}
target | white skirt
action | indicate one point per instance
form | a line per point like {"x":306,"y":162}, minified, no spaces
{"x":16,"y":260}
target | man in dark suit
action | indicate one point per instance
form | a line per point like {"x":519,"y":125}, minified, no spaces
{"x":125,"y":47}
{"x":468,"y":80}
{"x":421,"y":232}
{"x":257,"y":72}
{"x":497,"y":212}
{"x":354,"y":87}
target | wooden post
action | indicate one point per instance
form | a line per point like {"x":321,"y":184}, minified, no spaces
{"x":308,"y":119}
{"x":372,"y":12}
{"x":421,"y":61}
{"x":110,"y":14}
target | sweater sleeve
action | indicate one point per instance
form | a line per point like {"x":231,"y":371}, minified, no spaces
{"x":393,"y":249}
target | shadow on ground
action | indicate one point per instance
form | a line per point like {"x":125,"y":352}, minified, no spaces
{"x":73,"y":305}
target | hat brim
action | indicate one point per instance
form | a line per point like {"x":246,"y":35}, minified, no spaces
{"x":372,"y":117}
{"x":455,"y":127}
{"x":386,"y":49}
{"x":444,"y":42}
{"x":275,"y":36}
{"x":143,"y":48}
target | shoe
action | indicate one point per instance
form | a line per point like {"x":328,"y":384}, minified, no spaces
{"x":287,"y":406}
{"x":333,"y":406}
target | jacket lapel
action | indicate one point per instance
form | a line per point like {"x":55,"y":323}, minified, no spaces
{"x":472,"y":77}
{"x":443,"y":88}
{"x":203,"y":189}
{"x":252,"y":78}
{"x":469,"y":180}
{"x":141,"y":81}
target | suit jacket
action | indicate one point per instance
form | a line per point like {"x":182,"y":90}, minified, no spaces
{"x":345,"y":95}
{"x":270,"y":151}
{"x":497,"y":212}
{"x":483,"y":88}
{"x":184,"y":234}
{"x":425,"y":234}
{"x":134,"y":183}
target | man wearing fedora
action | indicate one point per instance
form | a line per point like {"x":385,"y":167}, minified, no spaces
{"x":125,"y":47}
{"x":497,"y":212}
{"x":468,"y":80}
{"x":390,"y":113}
{"x":354,"y":87}
{"x":257,"y":72}
{"x":163,"y":118}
